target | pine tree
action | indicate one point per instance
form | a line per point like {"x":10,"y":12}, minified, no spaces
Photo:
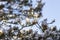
{"x":24,"y":18}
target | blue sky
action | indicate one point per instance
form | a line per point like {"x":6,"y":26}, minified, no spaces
{"x":51,"y":11}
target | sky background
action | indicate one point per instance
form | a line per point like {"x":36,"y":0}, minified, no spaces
{"x":51,"y":11}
